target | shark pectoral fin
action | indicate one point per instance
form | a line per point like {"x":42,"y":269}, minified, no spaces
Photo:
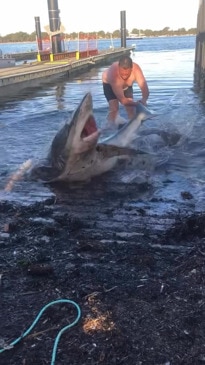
{"x":46,"y":174}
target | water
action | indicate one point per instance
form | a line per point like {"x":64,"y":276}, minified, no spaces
{"x":174,"y":140}
{"x":146,"y":44}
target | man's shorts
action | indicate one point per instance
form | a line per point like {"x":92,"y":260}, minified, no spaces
{"x":110,"y":95}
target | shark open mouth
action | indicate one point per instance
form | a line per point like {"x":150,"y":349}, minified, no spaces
{"x":90,"y":129}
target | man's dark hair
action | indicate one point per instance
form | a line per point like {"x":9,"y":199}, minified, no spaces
{"x":125,"y":61}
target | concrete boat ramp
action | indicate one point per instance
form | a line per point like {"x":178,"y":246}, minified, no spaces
{"x":32,"y":74}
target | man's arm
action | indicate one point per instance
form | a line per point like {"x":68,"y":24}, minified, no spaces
{"x":118,"y":91}
{"x":142,"y":83}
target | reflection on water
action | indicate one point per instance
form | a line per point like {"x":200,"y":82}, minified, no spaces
{"x":174,"y":140}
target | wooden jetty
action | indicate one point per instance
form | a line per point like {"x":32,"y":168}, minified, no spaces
{"x":199,"y":70}
{"x":18,"y":78}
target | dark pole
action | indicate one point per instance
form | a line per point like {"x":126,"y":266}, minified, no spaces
{"x":123,"y":28}
{"x":53,"y":14}
{"x":38,"y":33}
{"x":54,"y":23}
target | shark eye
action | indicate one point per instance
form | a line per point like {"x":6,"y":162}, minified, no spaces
{"x":90,"y":127}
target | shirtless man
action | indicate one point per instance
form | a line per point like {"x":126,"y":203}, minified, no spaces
{"x":117,"y":86}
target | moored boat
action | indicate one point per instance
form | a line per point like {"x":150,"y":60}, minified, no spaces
{"x":133,"y":36}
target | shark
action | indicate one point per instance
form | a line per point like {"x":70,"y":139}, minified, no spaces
{"x":77,"y":153}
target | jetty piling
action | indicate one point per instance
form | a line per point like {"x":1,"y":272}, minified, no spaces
{"x":199,"y":67}
{"x":55,"y":25}
{"x":123,"y":28}
{"x":38,"y":33}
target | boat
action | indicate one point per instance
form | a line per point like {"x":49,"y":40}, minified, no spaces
{"x":133,"y":36}
{"x":6,"y":60}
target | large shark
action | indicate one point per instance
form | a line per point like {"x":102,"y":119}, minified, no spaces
{"x":76,"y":154}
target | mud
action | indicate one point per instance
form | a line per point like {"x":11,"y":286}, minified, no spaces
{"x":137,"y":276}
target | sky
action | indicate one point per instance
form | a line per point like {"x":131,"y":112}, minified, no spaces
{"x":92,"y":15}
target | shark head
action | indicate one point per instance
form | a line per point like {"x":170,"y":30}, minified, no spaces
{"x":72,"y":142}
{"x":78,"y":136}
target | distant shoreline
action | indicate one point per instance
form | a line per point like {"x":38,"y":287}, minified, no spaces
{"x":105,"y":39}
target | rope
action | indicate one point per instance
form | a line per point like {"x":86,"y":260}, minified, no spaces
{"x":59,"y":333}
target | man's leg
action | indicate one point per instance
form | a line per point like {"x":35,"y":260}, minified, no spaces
{"x":113,"y":110}
{"x":131,"y":110}
{"x":113,"y":116}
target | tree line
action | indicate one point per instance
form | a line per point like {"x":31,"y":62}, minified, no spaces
{"x":25,"y":37}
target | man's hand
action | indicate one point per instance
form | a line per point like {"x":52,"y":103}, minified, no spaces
{"x":129,"y":102}
{"x":143,"y":101}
